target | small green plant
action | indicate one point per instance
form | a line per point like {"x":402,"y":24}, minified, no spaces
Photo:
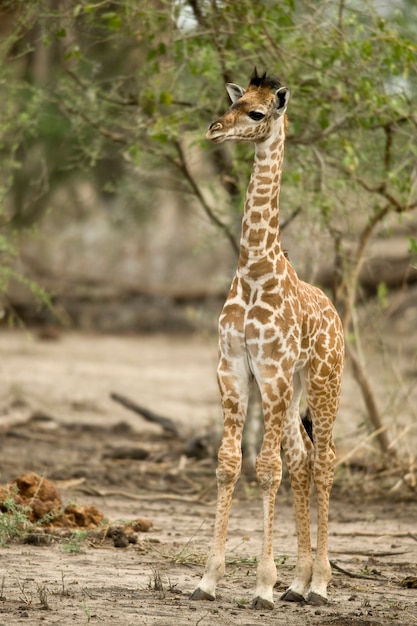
{"x":87,"y":612}
{"x":74,"y":543}
{"x":282,"y":561}
{"x":14,"y":520}
{"x":186,"y":555}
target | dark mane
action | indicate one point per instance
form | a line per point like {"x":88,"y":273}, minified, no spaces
{"x":264,"y":80}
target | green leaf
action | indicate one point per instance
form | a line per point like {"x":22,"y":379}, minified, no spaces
{"x":61,"y":33}
{"x":165,"y":98}
{"x":113,"y":20}
{"x":412,"y":243}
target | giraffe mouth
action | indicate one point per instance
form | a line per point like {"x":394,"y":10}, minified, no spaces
{"x":220,"y":138}
{"x":215,"y":138}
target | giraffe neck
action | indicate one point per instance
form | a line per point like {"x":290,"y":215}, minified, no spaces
{"x":260,"y":225}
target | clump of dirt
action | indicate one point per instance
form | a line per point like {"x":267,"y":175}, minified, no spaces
{"x":43,"y":504}
{"x":45,"y":517}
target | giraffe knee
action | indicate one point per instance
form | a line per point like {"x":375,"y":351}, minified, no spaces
{"x":226,"y":475}
{"x":229,"y":467}
{"x":323,"y":473}
{"x":268,"y":475}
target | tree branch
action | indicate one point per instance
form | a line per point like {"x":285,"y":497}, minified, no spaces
{"x":374,"y":414}
{"x":183,"y":167}
{"x":318,"y":136}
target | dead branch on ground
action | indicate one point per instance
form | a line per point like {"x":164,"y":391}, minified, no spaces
{"x":167,"y":424}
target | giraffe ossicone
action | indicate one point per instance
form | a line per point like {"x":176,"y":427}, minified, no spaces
{"x":287,"y":336}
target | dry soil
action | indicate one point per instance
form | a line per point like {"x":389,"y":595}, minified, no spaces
{"x":57,"y":419}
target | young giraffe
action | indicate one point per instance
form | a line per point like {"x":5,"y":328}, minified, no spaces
{"x":287,"y":335}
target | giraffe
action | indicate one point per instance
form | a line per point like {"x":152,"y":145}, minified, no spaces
{"x":287,"y":336}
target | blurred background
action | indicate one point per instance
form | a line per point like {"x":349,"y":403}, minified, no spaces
{"x":117,"y":216}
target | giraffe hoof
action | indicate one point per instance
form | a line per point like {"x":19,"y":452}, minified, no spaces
{"x":261,"y":604}
{"x":316,"y":599}
{"x":292,"y":596}
{"x":199,"y":594}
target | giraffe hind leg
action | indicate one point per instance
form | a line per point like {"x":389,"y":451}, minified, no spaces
{"x":323,"y":478}
{"x":298,"y":449}
{"x":323,"y":408}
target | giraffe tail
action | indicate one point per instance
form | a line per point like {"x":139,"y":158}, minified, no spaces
{"x":308,"y":423}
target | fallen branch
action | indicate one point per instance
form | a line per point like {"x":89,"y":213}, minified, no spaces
{"x":132,"y":496}
{"x":352,"y":575}
{"x":379,"y":535}
{"x":167,"y":424}
{"x":369,"y":553}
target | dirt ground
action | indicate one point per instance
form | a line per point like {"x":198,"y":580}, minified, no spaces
{"x":57,"y":419}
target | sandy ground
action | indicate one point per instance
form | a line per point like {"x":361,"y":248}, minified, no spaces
{"x":57,"y":419}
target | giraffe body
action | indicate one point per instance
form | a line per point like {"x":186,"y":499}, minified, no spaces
{"x":285,"y":334}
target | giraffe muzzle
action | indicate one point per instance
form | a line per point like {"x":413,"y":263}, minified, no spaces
{"x":215,"y":132}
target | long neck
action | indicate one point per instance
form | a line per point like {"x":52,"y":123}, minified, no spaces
{"x":260,"y":224}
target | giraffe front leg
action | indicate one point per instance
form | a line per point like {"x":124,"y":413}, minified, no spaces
{"x":234,"y":394}
{"x":228,"y":472}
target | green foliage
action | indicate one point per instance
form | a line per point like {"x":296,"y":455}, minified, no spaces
{"x":413,"y":248}
{"x":14,"y":521}
{"x":382,"y":295}
{"x":74,"y":544}
{"x":133,"y":76}
{"x":86,"y":84}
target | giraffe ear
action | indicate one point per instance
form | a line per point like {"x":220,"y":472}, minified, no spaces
{"x":282,"y":96}
{"x":235,"y":92}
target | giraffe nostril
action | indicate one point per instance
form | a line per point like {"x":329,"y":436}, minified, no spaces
{"x":215,"y":126}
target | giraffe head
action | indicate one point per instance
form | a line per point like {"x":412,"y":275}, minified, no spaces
{"x":254,"y":113}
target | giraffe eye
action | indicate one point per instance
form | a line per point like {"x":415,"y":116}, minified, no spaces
{"x":257,"y":116}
